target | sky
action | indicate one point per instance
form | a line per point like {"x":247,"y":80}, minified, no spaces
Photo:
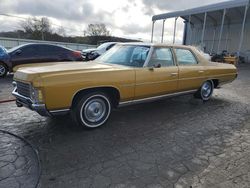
{"x":123,"y":18}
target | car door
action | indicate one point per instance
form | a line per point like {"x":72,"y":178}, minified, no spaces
{"x":48,"y":53}
{"x":191,"y":72}
{"x":24,"y":55}
{"x":159,"y":76}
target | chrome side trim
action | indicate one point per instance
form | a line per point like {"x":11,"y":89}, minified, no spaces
{"x":150,"y":83}
{"x":138,"y":101}
{"x":59,"y":112}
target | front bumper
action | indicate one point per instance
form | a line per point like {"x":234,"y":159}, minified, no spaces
{"x":27,"y":102}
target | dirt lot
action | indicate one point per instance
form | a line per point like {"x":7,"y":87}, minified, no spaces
{"x":179,"y":142}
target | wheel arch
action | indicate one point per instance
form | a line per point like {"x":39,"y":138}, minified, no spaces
{"x":5,"y":64}
{"x":111,"y":91}
{"x":215,"y":82}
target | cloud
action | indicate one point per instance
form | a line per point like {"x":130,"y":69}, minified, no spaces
{"x":80,"y":11}
{"x":170,"y":5}
{"x":123,"y":18}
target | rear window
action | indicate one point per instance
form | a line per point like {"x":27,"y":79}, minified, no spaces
{"x":185,"y":57}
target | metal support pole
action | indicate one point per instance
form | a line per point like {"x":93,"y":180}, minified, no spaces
{"x":191,"y":36}
{"x":162,"y":34}
{"x":242,"y":30}
{"x":189,"y":29}
{"x":227,"y":37}
{"x":152,"y":33}
{"x":175,"y":22}
{"x":203,"y":30}
{"x":221,"y":29}
{"x":184,"y":40}
{"x":212,"y":48}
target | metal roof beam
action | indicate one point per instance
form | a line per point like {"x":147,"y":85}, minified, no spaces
{"x":186,"y":20}
{"x":197,"y":18}
{"x":200,"y":10}
{"x":239,"y":12}
{"x":213,"y":19}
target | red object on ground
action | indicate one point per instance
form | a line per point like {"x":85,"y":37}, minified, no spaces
{"x":5,"y":101}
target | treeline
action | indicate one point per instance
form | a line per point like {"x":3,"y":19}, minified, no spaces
{"x":41,"y":29}
{"x":92,"y":40}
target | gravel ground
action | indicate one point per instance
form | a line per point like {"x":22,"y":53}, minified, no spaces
{"x":179,"y":142}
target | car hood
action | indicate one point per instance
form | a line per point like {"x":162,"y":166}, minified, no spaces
{"x":88,"y":50}
{"x":37,"y":65}
{"x":32,"y":73}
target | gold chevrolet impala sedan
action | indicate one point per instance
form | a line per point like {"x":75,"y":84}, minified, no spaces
{"x":129,"y":73}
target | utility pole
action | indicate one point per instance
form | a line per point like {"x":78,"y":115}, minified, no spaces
{"x":42,"y":28}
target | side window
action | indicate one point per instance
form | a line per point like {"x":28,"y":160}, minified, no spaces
{"x":139,"y":56}
{"x":47,"y":50}
{"x":41,"y":50}
{"x":185,"y":57}
{"x":29,"y":50}
{"x":162,"y":56}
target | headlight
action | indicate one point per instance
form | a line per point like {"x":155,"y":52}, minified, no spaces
{"x":14,"y":84}
{"x":36,"y":95}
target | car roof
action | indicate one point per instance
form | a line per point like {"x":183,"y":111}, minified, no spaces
{"x":40,"y":44}
{"x":156,"y":44}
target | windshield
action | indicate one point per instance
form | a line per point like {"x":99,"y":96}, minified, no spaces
{"x":15,"y":48}
{"x":2,"y":50}
{"x":133,"y":56}
{"x":104,"y":46}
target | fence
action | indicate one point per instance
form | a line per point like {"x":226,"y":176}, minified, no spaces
{"x":12,"y":42}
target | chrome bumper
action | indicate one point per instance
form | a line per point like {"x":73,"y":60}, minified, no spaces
{"x":27,"y":102}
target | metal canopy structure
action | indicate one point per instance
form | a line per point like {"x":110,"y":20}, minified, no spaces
{"x":216,"y":17}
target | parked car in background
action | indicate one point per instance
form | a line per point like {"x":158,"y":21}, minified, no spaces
{"x":129,"y":73}
{"x":35,"y":53}
{"x":3,"y":59}
{"x":91,"y":54}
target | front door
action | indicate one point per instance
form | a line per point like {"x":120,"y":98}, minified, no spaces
{"x":25,"y":55}
{"x":159,"y":77}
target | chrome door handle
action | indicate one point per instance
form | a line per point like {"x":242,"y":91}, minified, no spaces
{"x":174,"y":74}
{"x":201,"y":71}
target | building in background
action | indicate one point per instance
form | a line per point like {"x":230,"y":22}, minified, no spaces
{"x":215,"y":28}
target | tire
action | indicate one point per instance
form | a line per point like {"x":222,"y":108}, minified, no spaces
{"x":3,"y":70}
{"x":206,"y":91}
{"x":92,"y":110}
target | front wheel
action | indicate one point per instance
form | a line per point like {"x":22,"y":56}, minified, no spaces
{"x":3,"y":70}
{"x":92,"y":110}
{"x":206,"y":90}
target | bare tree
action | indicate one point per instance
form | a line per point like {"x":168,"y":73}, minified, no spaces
{"x":37,"y":27}
{"x":61,"y":31}
{"x":96,"y":30}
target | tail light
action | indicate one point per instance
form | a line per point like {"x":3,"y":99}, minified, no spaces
{"x":77,"y":54}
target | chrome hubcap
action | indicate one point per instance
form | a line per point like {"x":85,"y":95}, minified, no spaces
{"x":95,"y":110}
{"x":2,"y":70}
{"x":206,"y":89}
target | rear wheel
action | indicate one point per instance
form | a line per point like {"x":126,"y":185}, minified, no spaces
{"x":3,"y":70}
{"x":206,"y":90}
{"x":92,"y":110}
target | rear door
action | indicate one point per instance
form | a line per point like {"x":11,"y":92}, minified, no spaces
{"x":159,"y":77}
{"x":50,"y":53}
{"x":191,"y":72}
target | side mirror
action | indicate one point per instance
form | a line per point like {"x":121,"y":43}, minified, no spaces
{"x":18,"y":52}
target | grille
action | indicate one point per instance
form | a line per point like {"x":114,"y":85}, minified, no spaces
{"x":23,"y":89}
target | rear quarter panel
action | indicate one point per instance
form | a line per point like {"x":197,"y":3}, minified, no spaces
{"x":223,"y":72}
